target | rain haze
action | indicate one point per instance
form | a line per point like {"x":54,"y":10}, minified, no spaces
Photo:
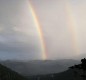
{"x":63,"y":25}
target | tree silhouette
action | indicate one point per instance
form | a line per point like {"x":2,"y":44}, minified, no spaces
{"x":81,"y":68}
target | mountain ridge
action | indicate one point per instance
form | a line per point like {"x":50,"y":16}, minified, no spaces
{"x":39,"y":67}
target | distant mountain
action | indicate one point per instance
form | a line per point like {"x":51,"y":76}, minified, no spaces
{"x":39,"y":67}
{"x":8,"y":74}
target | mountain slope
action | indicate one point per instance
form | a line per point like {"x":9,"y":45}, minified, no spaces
{"x":66,"y":75}
{"x":39,"y":67}
{"x":8,"y":74}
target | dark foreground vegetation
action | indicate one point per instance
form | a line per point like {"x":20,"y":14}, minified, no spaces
{"x":8,"y":74}
{"x":67,"y":75}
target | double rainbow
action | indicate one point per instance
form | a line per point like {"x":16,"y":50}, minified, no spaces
{"x":71,"y":23}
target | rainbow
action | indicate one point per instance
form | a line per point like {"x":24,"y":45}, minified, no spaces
{"x":39,"y":30}
{"x":72,"y":24}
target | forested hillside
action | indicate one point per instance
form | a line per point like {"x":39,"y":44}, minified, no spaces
{"x":8,"y":74}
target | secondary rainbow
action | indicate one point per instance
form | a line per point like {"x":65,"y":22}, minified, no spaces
{"x":72,"y":24}
{"x":39,"y":30}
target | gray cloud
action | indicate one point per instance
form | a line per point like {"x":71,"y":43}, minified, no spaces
{"x":18,"y":34}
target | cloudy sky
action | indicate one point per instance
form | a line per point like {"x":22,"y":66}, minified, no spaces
{"x":19,"y":38}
